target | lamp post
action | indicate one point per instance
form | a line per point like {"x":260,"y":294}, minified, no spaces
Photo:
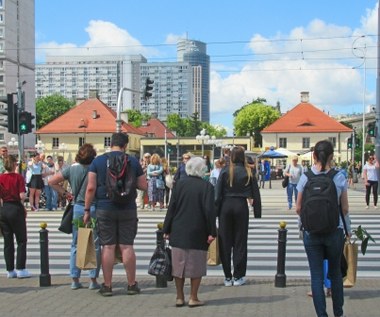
{"x":40,"y":147}
{"x":362,"y":55}
{"x":62,"y":147}
{"x":215,"y":143}
{"x":13,"y":144}
{"x":202,"y":137}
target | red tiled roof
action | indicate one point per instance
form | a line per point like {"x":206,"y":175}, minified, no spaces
{"x":92,"y":115}
{"x":306,"y":118}
{"x":155,"y":128}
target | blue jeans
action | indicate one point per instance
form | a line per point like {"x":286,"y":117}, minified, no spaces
{"x":51,"y":197}
{"x":318,"y":248}
{"x":290,"y":189}
{"x":74,"y":270}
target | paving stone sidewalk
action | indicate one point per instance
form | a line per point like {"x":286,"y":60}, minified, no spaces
{"x":257,"y":298}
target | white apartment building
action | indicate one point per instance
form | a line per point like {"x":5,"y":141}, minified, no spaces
{"x":74,"y":76}
{"x":179,"y":87}
{"x":17,"y":57}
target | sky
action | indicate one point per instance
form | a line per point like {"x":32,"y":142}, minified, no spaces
{"x":271,"y":49}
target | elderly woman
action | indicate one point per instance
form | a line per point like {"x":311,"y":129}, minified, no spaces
{"x":76,"y":175}
{"x":190,"y":227}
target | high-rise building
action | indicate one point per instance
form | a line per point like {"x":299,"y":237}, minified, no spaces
{"x":17,"y":56}
{"x":179,"y":87}
{"x":75,"y":76}
{"x":194,"y":53}
{"x":172,"y":91}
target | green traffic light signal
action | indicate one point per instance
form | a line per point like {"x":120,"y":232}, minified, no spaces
{"x":371,"y":129}
{"x":349,"y":143}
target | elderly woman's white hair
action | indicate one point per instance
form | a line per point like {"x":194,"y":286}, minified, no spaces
{"x":196,"y":167}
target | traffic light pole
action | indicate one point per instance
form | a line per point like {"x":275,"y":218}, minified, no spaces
{"x":118,"y":109}
{"x":20,"y":108}
{"x":377,"y":147}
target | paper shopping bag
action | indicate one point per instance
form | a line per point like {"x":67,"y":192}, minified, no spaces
{"x":350,"y":252}
{"x":213,"y":253}
{"x":86,"y":255}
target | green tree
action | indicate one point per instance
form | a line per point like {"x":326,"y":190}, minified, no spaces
{"x":135,"y":117}
{"x":51,"y":107}
{"x":254,"y":117}
{"x":191,"y":126}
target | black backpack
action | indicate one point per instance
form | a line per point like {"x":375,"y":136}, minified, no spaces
{"x":320,"y":208}
{"x":120,"y":179}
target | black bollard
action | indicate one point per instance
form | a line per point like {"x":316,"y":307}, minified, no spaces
{"x":161,"y":281}
{"x":280,"y":280}
{"x":45,"y":279}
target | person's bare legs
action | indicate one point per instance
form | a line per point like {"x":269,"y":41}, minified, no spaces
{"x":37,"y":196}
{"x":129,"y":261}
{"x":32,"y":192}
{"x":194,"y":287}
{"x":108,"y":258}
{"x":179,"y":284}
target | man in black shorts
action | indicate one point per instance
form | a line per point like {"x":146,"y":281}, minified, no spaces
{"x":117,"y":224}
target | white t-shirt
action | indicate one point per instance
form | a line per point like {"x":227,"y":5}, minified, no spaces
{"x":371,"y":171}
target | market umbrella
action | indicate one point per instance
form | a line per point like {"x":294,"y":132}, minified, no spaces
{"x":272,"y":154}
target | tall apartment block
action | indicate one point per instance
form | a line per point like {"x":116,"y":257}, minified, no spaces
{"x":74,"y":76}
{"x":17,"y":56}
{"x":179,"y":87}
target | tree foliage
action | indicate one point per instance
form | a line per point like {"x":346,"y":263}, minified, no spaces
{"x":51,"y":107}
{"x":190,"y":127}
{"x":135,"y":117}
{"x":254,"y":117}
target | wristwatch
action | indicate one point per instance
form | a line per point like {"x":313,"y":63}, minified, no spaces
{"x":86,"y":209}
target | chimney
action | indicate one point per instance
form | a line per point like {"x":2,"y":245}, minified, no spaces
{"x":94,"y":114}
{"x":93,"y":94}
{"x":304,"y":96}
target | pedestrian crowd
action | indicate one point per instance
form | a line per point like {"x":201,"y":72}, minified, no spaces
{"x":205,"y":201}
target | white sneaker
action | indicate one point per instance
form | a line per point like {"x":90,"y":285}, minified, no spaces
{"x":23,"y":273}
{"x":375,"y":207}
{"x":239,"y":281}
{"x":228,"y":282}
{"x":12,"y":274}
{"x":366,"y":207}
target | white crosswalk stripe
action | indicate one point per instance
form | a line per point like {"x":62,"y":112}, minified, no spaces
{"x":262,"y":245}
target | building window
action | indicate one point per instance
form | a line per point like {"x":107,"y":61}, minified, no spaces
{"x":305,"y":143}
{"x":333,"y":141}
{"x":107,"y":141}
{"x":1,"y":136}
{"x":81,"y":141}
{"x":55,"y":143}
{"x":283,"y":142}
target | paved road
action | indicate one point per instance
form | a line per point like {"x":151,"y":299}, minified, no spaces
{"x":262,"y":240}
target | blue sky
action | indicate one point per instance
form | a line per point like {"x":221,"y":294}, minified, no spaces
{"x":271,"y":49}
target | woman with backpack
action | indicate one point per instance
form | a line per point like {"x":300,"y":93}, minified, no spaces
{"x":323,"y":240}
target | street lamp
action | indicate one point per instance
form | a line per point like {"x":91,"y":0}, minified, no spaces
{"x":40,"y":147}
{"x":215,"y":143}
{"x":62,"y":147}
{"x":202,"y":137}
{"x":13,"y":143}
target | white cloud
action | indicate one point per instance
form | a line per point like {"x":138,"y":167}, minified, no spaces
{"x":105,"y":38}
{"x":318,"y":58}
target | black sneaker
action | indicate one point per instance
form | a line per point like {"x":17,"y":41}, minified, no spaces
{"x":133,"y":289}
{"x":105,"y":290}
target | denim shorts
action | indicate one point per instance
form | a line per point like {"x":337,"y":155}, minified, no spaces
{"x":116,"y":226}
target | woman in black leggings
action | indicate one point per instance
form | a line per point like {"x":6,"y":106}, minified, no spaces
{"x":370,"y":180}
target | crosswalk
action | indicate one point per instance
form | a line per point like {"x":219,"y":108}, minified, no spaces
{"x":262,"y":245}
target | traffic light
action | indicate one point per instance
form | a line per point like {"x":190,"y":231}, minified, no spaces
{"x":371,"y":129}
{"x":11,"y":114}
{"x":349,"y":143}
{"x":148,"y":88}
{"x":357,"y":142}
{"x":25,"y":124}
{"x":169,"y":148}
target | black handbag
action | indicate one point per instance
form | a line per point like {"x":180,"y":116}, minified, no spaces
{"x":285,"y":182}
{"x":160,"y":263}
{"x":66,"y":225}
